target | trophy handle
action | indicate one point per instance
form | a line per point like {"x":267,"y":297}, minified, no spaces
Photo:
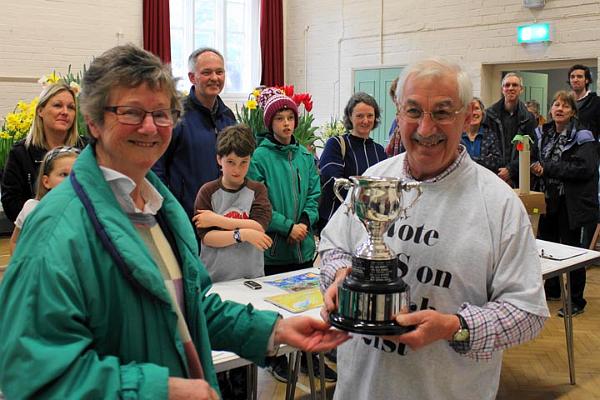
{"x":343,"y":183}
{"x":407,"y":187}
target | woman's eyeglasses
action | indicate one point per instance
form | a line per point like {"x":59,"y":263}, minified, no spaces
{"x":135,"y":116}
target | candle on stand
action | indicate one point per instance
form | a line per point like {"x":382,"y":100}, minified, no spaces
{"x":524,"y":162}
{"x":522,"y":142}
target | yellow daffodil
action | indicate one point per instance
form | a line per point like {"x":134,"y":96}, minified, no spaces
{"x":53,"y":78}
{"x":251,"y":104}
{"x":256,"y":93}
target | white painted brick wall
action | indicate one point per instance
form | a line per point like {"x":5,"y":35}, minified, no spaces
{"x":345,"y":34}
{"x":41,"y":36}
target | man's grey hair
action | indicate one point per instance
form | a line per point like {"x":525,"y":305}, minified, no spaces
{"x":436,"y":68}
{"x":196,"y":53}
{"x":511,"y":74}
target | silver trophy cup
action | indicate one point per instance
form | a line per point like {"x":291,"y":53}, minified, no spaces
{"x":373,"y":294}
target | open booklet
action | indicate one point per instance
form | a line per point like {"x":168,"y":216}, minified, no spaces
{"x":557,"y":251}
{"x":297,"y":302}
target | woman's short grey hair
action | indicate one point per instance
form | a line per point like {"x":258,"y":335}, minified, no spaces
{"x":36,"y":136}
{"x":481,"y":105}
{"x":196,"y":53}
{"x":360,"y":97}
{"x":126,"y":66}
{"x":438,"y":68}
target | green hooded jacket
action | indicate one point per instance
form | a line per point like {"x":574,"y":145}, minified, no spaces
{"x":73,"y":326}
{"x":292,"y":180}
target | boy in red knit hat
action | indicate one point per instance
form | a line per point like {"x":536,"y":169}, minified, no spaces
{"x":288,"y":171}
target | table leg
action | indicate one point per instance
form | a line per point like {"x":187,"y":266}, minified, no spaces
{"x":293,"y":371}
{"x":252,"y":382}
{"x":322,"y":371}
{"x":311,"y":376}
{"x":568,"y":320}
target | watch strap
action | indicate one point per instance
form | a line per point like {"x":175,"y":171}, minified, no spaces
{"x":461,"y":346}
{"x":237,"y":236}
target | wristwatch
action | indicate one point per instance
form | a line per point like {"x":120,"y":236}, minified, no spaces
{"x":462,"y":335}
{"x":237,"y":236}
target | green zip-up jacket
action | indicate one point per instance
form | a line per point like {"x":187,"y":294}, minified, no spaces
{"x":73,"y":326}
{"x":292,"y":181}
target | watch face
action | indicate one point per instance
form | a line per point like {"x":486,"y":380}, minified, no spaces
{"x":462,"y":335}
{"x":237,"y":236}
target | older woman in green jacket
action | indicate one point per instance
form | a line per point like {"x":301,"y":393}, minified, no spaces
{"x":105,"y":296}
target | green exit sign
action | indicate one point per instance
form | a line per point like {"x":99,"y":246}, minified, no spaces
{"x":533,"y":33}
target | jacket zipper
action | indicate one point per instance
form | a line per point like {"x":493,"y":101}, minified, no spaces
{"x":296,"y":203}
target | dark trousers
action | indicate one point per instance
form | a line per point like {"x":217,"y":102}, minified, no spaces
{"x":554,"y":227}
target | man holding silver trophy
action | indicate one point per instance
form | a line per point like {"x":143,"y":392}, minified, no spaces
{"x":452,"y":280}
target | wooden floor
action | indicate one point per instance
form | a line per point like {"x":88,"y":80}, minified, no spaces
{"x":535,"y":371}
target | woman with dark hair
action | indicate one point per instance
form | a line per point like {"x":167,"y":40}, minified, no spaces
{"x":349,"y":154}
{"x":568,"y":171}
{"x":54,"y":124}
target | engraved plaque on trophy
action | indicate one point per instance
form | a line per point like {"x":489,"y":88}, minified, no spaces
{"x":374,"y":293}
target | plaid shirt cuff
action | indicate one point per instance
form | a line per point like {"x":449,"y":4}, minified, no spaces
{"x":332,"y":261}
{"x":497,"y":326}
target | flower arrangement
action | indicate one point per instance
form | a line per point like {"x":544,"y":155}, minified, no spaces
{"x":17,"y":123}
{"x":251,"y":113}
{"x":16,"y":126}
{"x":332,"y":128}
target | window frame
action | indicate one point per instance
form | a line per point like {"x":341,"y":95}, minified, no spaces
{"x":250,"y":77}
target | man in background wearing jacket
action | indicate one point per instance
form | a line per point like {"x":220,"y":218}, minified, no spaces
{"x":509,"y":117}
{"x":588,"y":103}
{"x":191,"y":159}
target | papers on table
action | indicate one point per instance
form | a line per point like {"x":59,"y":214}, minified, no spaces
{"x":557,"y":251}
{"x":297,"y":302}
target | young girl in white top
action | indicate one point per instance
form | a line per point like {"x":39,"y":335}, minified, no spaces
{"x":55,"y":167}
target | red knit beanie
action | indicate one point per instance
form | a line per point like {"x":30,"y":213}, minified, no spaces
{"x":277,"y":103}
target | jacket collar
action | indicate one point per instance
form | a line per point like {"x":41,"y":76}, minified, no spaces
{"x":274,"y":143}
{"x":357,"y":139}
{"x":192,"y":102}
{"x":576,"y":135}
{"x":497,"y":109}
{"x":123,"y":233}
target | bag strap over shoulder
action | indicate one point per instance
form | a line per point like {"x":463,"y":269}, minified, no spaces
{"x":342,"y":146}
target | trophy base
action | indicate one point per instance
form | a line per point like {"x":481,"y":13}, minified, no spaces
{"x":389,"y":328}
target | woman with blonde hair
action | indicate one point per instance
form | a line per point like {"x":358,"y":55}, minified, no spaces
{"x":54,"y":124}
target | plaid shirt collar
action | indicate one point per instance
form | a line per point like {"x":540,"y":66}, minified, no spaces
{"x":461,"y":155}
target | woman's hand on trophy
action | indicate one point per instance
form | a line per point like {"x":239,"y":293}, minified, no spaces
{"x":430,"y":326}
{"x":330,"y":295}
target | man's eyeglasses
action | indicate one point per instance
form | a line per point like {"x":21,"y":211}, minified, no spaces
{"x":415,"y":115}
{"x":135,"y":116}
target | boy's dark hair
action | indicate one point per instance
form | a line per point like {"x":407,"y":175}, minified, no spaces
{"x":237,"y":139}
